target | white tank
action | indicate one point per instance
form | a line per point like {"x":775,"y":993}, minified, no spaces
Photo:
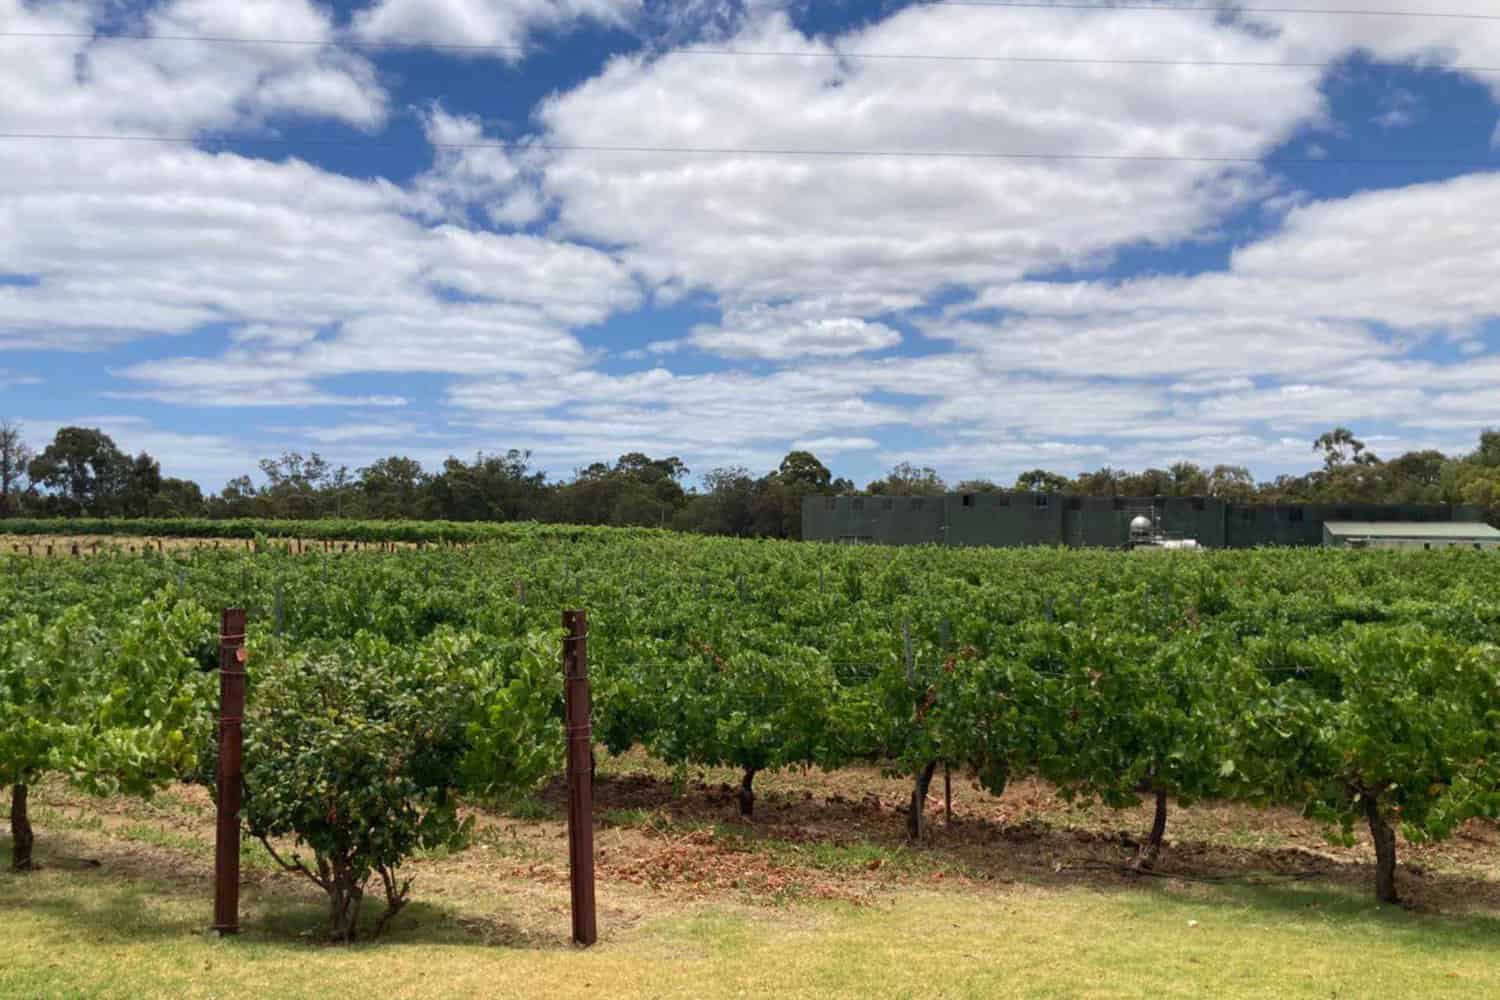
{"x":1140,"y":524}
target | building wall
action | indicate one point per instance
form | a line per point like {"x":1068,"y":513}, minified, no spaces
{"x":1017,"y":519}
{"x":1344,"y":542}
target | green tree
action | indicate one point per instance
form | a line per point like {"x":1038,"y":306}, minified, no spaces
{"x":293,"y":483}
{"x":1188,"y":480}
{"x":84,"y":471}
{"x":494,"y":487}
{"x":391,"y":488}
{"x":1415,"y":477}
{"x":1488,"y":452}
{"x":908,"y":480}
{"x":1103,"y":482}
{"x":802,"y":470}
{"x":1340,"y":447}
{"x":1148,"y":483}
{"x":15,"y":456}
{"x":1231,"y":482}
{"x":177,"y":498}
{"x":1042,"y":481}
{"x":726,"y":505}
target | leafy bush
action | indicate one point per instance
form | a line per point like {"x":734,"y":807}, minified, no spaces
{"x":357,"y":763}
{"x":357,"y":750}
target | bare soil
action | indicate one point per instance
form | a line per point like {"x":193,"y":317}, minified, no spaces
{"x":679,"y":839}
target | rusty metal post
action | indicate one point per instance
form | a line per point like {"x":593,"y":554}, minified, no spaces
{"x":580,"y":776}
{"x":231,"y":771}
{"x":947,"y":794}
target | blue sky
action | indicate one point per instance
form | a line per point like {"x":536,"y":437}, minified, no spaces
{"x":434,"y":227}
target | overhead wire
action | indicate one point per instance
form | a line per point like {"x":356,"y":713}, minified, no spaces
{"x":764,"y":151}
{"x":1216,"y":8}
{"x":727,"y":51}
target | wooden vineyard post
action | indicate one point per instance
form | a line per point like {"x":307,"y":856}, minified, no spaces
{"x":580,"y":777}
{"x":231,"y":771}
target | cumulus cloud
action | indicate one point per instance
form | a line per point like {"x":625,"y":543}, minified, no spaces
{"x":768,"y":334}
{"x":1417,"y":258}
{"x":314,"y":274}
{"x":489,"y":269}
{"x":503,"y":25}
{"x":889,"y":231}
{"x":57,"y":83}
{"x":471,"y":172}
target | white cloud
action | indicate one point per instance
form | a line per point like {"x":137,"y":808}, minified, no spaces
{"x":506,"y":24}
{"x":1155,"y":344}
{"x":769,"y":334}
{"x":470,"y":172}
{"x":314,"y":274}
{"x":837,"y":445}
{"x":317,"y":276}
{"x":887,"y":232}
{"x":365,"y":431}
{"x":67,"y":84}
{"x":9,"y":378}
{"x":1421,"y":41}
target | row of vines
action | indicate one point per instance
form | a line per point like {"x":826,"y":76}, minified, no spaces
{"x":1360,"y":687}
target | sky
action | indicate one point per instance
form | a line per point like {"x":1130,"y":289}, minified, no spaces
{"x":978,"y":236}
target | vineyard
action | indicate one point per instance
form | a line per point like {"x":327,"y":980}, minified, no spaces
{"x":387,"y":689}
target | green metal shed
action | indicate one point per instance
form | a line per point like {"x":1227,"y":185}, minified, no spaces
{"x":1409,"y":535}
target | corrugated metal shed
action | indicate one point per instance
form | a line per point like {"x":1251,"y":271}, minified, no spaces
{"x":1408,"y":534}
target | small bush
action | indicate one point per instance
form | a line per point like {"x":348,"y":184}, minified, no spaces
{"x":355,"y":761}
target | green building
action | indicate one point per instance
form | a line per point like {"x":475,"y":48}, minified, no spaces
{"x":1014,"y":519}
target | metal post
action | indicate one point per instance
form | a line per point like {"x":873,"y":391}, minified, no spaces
{"x":231,"y":771}
{"x":580,"y":778}
{"x":947,"y":794}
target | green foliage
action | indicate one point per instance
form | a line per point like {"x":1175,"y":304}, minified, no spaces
{"x":112,"y":701}
{"x":357,"y":765}
{"x":1412,"y":723}
{"x":114,"y":704}
{"x":1316,"y":677}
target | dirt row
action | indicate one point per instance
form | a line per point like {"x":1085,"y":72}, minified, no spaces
{"x":824,"y":836}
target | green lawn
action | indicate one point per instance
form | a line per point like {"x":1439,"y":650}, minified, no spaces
{"x":71,"y":932}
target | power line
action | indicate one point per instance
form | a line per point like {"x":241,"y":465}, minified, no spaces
{"x":841,"y":56}
{"x":1220,"y":8}
{"x":766,"y":151}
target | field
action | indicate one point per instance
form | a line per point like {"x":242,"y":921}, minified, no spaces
{"x":766,"y":714}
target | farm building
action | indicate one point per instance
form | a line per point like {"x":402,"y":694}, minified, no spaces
{"x":1406,"y":535}
{"x":1015,"y":519}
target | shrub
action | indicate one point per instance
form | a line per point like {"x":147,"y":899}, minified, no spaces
{"x":355,"y":761}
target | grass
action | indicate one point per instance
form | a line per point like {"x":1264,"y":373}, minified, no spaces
{"x":819,"y":896}
{"x":71,"y":934}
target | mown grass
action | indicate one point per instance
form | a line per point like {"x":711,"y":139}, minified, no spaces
{"x":94,"y":934}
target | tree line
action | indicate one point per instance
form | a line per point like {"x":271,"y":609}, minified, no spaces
{"x":82,"y":472}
